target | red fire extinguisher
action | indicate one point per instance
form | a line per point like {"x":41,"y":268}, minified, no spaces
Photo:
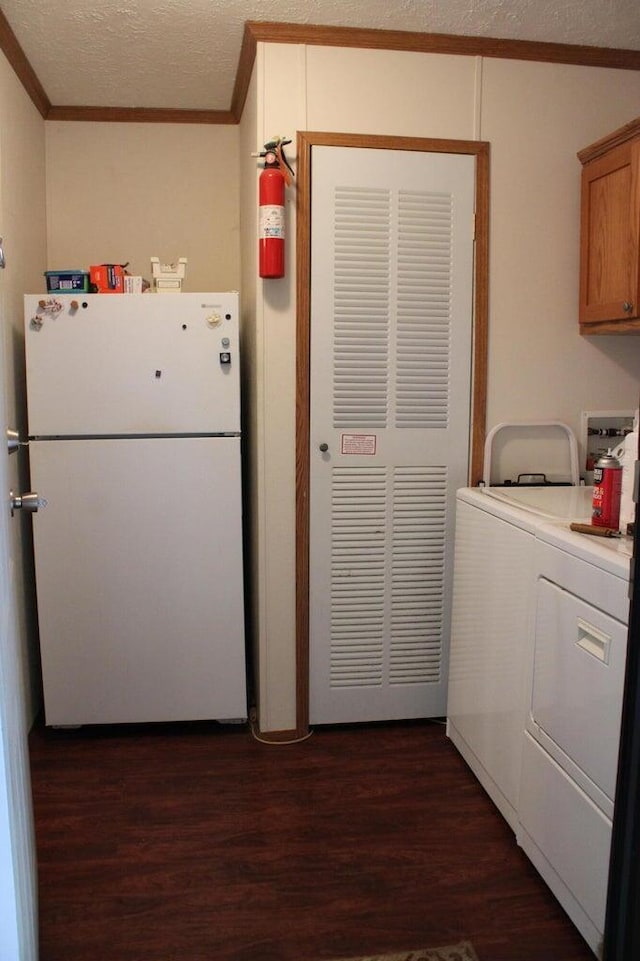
{"x":273,"y":179}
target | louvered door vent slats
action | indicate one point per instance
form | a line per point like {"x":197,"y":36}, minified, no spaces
{"x":424,"y":276}
{"x":417,"y":574}
{"x":358,"y":535}
{"x":361,"y":307}
{"x":392,"y":314}
{"x":386,"y":616}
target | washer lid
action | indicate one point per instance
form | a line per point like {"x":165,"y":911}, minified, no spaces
{"x":562,"y":502}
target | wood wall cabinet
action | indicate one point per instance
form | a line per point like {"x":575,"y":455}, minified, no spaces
{"x":610,"y":234}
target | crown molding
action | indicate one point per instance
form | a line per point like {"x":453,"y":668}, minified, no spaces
{"x":448,"y":43}
{"x":140,"y":115}
{"x":313,"y":35}
{"x":22,"y":68}
{"x":246,"y":60}
{"x":614,"y":139}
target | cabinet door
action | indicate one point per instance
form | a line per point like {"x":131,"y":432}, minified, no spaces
{"x":610,"y":236}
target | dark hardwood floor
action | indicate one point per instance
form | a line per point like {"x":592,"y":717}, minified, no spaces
{"x":197,"y":843}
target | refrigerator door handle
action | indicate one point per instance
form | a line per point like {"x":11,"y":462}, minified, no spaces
{"x":13,"y":440}
{"x":30,"y":502}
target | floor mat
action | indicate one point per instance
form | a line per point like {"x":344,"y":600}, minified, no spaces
{"x":463,"y":951}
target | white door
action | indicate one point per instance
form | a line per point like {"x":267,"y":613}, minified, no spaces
{"x":18,"y":925}
{"x":391,"y":339}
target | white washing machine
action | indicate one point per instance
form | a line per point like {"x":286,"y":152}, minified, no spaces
{"x":575,"y":689}
{"x":492,"y":620}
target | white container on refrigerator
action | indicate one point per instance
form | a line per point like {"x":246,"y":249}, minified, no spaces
{"x":134,"y":425}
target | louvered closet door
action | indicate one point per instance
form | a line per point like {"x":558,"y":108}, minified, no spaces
{"x":391,"y":323}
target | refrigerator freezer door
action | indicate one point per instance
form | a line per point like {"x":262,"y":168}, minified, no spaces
{"x":139,"y":579}
{"x":132,"y":364}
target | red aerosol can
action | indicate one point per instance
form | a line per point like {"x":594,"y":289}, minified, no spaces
{"x":607,"y":487}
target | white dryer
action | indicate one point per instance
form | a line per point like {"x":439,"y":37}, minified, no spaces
{"x":575,"y":685}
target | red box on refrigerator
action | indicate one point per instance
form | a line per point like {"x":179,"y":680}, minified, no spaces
{"x":108,"y":278}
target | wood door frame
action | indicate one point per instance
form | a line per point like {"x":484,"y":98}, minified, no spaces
{"x":306,"y":140}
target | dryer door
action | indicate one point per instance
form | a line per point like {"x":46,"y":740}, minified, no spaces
{"x":579,"y":665}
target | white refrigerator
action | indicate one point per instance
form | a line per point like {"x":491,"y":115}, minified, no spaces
{"x":134,"y":444}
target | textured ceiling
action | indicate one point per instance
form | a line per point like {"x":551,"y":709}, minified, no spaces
{"x":184,"y":53}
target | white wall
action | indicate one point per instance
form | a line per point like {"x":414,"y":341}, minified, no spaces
{"x":391,"y":92}
{"x":297,"y":89}
{"x":536,"y":116}
{"x":275,"y":65}
{"x":119,"y":192}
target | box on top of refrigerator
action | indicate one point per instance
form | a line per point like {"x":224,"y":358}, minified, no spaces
{"x":107,"y":278}
{"x":67,"y":281}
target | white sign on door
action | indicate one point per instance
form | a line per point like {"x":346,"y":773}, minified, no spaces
{"x":358,"y":444}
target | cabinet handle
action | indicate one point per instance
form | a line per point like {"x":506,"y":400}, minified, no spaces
{"x":627,"y":306}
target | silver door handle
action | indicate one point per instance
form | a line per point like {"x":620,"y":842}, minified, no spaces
{"x":3,"y":262}
{"x":26,"y":502}
{"x":13,"y":440}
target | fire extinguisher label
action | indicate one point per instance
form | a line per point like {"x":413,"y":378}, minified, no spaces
{"x":271,"y":222}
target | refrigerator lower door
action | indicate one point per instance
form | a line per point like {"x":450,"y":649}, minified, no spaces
{"x":139,"y":579}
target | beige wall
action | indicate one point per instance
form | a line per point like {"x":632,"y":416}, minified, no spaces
{"x":536,"y":117}
{"x":297,"y":89}
{"x":128,"y":192}
{"x":23,"y":227}
{"x":393,"y":93}
{"x":272,"y":425}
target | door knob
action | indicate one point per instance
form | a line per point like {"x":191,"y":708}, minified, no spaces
{"x":13,"y":440}
{"x":26,"y":502}
{"x":324,"y":448}
{"x":627,"y":306}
